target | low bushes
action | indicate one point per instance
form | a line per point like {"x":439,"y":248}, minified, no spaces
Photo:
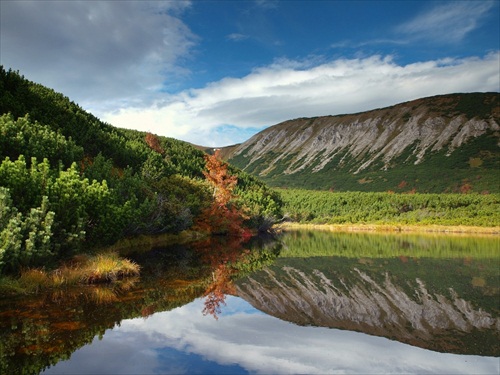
{"x":324,"y":207}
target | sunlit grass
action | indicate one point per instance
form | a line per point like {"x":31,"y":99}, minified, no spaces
{"x":108,"y":267}
{"x":83,"y":269}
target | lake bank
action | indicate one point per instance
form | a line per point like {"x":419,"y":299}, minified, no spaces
{"x":441,"y":229}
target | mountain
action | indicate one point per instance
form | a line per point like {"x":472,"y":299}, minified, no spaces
{"x":434,"y":144}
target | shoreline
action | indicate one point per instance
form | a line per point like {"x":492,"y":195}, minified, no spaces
{"x":393,"y":228}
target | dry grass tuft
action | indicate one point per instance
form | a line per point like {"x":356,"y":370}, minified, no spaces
{"x":108,"y":267}
{"x":100,"y":268}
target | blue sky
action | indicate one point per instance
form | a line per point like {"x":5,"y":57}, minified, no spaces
{"x":216,"y":72}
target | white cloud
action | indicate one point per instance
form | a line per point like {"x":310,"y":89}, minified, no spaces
{"x":96,"y":52}
{"x":449,"y":22}
{"x":289,"y":89}
{"x":267,"y":4}
{"x":236,"y":37}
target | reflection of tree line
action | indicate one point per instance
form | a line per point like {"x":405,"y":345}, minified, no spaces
{"x":302,"y":243}
{"x":40,"y":330}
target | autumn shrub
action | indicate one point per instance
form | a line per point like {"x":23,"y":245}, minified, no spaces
{"x":221,"y":216}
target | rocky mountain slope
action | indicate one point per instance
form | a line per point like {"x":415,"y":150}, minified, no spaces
{"x":451,"y":139}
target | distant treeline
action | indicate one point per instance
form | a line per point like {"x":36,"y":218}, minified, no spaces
{"x":324,"y":207}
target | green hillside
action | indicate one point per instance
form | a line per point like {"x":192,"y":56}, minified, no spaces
{"x":70,"y":182}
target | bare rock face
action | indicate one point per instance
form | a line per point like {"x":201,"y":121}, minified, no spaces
{"x":424,"y":125}
{"x":420,"y":318}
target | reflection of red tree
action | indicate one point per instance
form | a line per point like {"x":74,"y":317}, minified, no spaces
{"x":215,"y":295}
{"x":148,"y":310}
{"x":221,"y":217}
{"x":221,"y":254}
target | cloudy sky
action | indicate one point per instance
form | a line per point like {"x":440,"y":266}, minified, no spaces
{"x":216,"y":72}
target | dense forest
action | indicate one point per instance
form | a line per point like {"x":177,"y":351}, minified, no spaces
{"x":70,"y":183}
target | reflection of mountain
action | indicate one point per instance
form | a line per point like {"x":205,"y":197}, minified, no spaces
{"x":377,"y":303}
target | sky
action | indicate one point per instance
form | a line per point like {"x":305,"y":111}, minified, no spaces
{"x":243,"y":340}
{"x":214,"y":73}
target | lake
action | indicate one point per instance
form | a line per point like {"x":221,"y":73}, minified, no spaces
{"x":305,"y":302}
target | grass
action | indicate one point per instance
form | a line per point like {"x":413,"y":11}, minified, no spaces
{"x":106,"y":267}
{"x":395,"y":228}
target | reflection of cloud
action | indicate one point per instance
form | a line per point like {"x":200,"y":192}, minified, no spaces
{"x":289,"y":89}
{"x":261,"y":344}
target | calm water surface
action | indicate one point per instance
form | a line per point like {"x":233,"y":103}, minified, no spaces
{"x":311,"y":302}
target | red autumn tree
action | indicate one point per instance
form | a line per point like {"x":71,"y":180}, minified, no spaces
{"x":154,"y":143}
{"x":221,"y":216}
{"x":218,"y":176}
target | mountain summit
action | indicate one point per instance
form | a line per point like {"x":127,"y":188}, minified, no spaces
{"x":446,"y":143}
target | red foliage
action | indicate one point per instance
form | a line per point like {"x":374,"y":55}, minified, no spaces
{"x":221,"y":217}
{"x":154,"y":143}
{"x":465,"y":188}
{"x":86,"y":162}
{"x":219,"y":177}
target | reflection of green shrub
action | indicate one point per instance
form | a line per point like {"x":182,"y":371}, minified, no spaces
{"x":304,"y":244}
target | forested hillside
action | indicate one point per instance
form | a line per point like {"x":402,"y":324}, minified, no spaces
{"x":70,"y":182}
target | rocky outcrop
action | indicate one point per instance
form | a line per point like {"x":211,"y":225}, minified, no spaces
{"x":375,"y":137}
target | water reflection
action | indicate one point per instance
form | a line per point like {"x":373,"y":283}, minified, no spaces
{"x":300,"y":301}
{"x":244,"y":340}
{"x":40,"y":330}
{"x":435,"y":302}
